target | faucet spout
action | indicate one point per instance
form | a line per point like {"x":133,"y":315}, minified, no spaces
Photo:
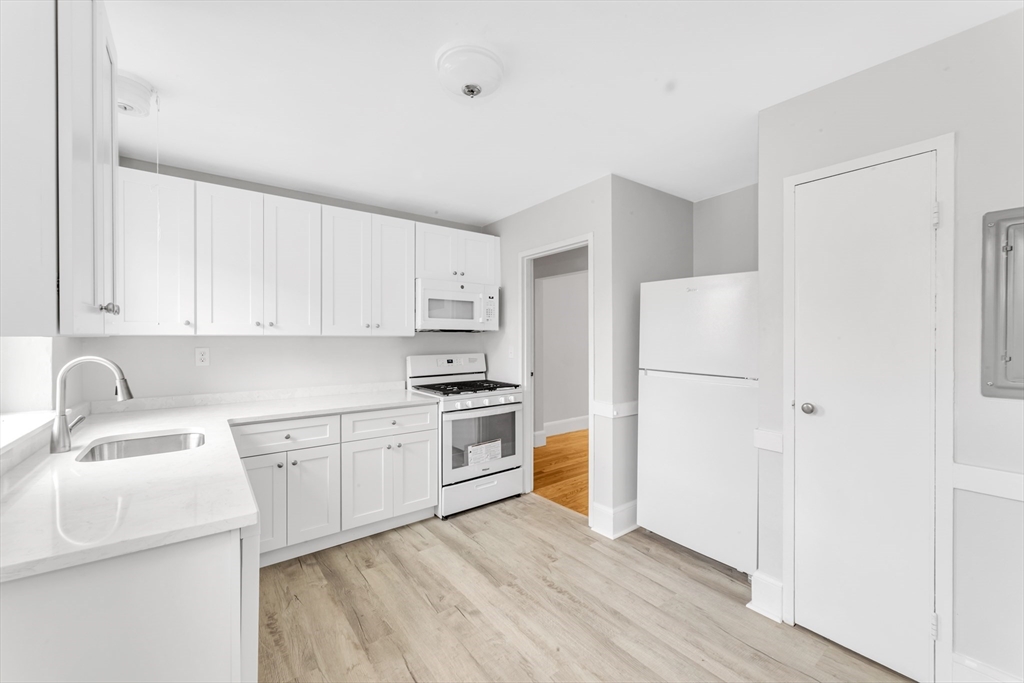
{"x":60,"y":435}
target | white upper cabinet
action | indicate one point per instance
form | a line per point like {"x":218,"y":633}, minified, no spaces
{"x":347,"y":272}
{"x":28,"y":169}
{"x":457,"y":255}
{"x":87,"y":157}
{"x":394,"y":277}
{"x":154,"y":255}
{"x":291,"y":270}
{"x":229,"y":260}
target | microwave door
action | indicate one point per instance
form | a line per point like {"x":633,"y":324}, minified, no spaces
{"x":476,"y":443}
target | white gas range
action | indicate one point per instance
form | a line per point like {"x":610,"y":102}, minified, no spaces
{"x":481,"y":429}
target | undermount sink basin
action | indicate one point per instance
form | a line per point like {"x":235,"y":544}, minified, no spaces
{"x":145,"y":445}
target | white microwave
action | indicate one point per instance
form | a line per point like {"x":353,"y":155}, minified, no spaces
{"x":455,"y":306}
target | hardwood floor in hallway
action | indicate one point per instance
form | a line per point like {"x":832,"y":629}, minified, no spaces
{"x":561,"y":470}
{"x":523,"y":590}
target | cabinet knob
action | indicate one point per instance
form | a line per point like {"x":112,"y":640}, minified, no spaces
{"x":280,"y":464}
{"x":287,"y":436}
{"x":807,"y":408}
{"x":188,"y":322}
{"x":389,"y":447}
{"x":455,"y":272}
{"x":367,"y":325}
{"x":271,"y":324}
{"x":259,"y":324}
{"x":461,"y":274}
{"x":295,"y":462}
{"x":111,"y":308}
{"x":394,"y":422}
{"x":377,"y":325}
{"x":399,"y":445}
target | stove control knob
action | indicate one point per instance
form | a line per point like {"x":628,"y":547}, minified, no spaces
{"x":469,"y":404}
{"x":487,"y":401}
{"x":458,"y":405}
{"x":511,"y":399}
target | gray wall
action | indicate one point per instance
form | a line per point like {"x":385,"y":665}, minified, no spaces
{"x":28,"y":372}
{"x":725,"y":233}
{"x":949,"y":86}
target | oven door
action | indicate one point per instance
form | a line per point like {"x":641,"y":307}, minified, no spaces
{"x":455,"y":306}
{"x":475,"y":443}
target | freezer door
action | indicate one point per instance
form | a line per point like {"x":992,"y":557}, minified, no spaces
{"x":697,"y":464}
{"x":700,"y":325}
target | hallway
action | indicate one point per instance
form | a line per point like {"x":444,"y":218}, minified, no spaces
{"x":561,"y":470}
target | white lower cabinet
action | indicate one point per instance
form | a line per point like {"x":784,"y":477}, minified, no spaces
{"x":314,"y":493}
{"x":268,"y":479}
{"x":387,"y":476}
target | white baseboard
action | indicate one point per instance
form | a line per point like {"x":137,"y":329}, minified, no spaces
{"x":766,"y":596}
{"x":540,"y":439}
{"x":967,"y":670}
{"x":572,"y":424}
{"x":613,"y":522}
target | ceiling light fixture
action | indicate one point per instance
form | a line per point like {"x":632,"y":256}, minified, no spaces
{"x":469,"y":71}
{"x":133,"y":95}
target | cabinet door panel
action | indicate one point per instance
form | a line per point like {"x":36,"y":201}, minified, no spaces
{"x":415,"y":471}
{"x":347,"y":265}
{"x":105,"y":153}
{"x":314,"y":493}
{"x":154,"y":247}
{"x":229,"y":260}
{"x":268,"y":477}
{"x":436,"y":252}
{"x":394,"y":277}
{"x":366,"y":474}
{"x":291,"y":258}
{"x":478,"y":258}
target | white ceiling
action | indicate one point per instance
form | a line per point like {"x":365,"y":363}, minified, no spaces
{"x":342,"y":99}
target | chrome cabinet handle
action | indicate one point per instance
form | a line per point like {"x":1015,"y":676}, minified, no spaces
{"x":259,"y":324}
{"x":377,"y":325}
{"x":271,"y":324}
{"x":455,"y":272}
{"x":461,"y":274}
{"x":807,"y":408}
{"x":287,"y":436}
{"x":295,"y":462}
{"x":111,"y":308}
{"x":389,"y":447}
{"x":367,"y":325}
{"x":187,"y":322}
{"x":394,"y":422}
{"x":399,"y":445}
{"x":280,"y":464}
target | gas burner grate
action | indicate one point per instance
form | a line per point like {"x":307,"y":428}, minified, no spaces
{"x":467,"y":387}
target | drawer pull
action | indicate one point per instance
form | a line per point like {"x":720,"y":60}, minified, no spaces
{"x":492,"y":482}
{"x":394,"y":422}
{"x":280,"y":464}
{"x":287,"y":436}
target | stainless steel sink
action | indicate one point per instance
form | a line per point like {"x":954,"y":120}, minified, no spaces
{"x":146,"y":445}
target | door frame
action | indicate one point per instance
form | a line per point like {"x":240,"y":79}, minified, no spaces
{"x":944,"y":148}
{"x":526,"y":327}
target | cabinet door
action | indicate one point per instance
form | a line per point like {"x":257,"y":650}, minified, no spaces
{"x":267,"y":478}
{"x":105,"y":152}
{"x":415,"y":471}
{"x":291,"y":266}
{"x":367,"y":477}
{"x":347,"y":264}
{"x":478,"y":258}
{"x":314,"y":493}
{"x":394,"y":277}
{"x":154,"y":255}
{"x":229,"y":260}
{"x":436,"y":248}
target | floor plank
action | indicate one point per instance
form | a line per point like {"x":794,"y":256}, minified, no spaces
{"x":523,"y":590}
{"x":561,"y":470}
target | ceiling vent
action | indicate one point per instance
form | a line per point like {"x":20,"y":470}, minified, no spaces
{"x":469,"y":71}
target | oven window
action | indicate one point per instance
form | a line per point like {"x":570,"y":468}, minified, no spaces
{"x":473,"y":439}
{"x":449,"y":309}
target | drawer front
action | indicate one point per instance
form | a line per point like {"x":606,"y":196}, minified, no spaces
{"x":356,"y":426}
{"x":286,"y":435}
{"x":470,"y":494}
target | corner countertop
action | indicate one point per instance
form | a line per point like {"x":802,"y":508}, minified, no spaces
{"x":57,"y":513}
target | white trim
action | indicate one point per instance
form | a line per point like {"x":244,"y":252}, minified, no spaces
{"x":613,"y":522}
{"x":990,"y":482}
{"x":613,"y":410}
{"x":944,"y":147}
{"x":768,"y":440}
{"x":967,"y":670}
{"x":766,"y":596}
{"x":526,"y":325}
{"x":540,"y":439}
{"x":571,"y":424}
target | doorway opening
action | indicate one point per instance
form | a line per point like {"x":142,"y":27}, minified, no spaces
{"x":561,"y":377}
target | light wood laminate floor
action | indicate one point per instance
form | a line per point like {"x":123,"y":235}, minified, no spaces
{"x":523,"y":590}
{"x":561,"y":470}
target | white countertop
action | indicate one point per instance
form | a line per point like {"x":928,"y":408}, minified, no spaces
{"x":57,"y":513}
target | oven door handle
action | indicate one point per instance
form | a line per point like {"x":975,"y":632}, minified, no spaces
{"x":473,"y":413}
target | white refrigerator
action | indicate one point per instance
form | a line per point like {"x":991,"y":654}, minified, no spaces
{"x":696,"y":460}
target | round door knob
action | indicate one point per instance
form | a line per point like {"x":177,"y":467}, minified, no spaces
{"x":259,"y":324}
{"x":287,"y":436}
{"x":295,"y":462}
{"x":399,"y":446}
{"x":280,"y":464}
{"x":187,"y":322}
{"x":807,"y":408}
{"x":389,"y":447}
{"x":394,"y":422}
{"x":271,"y":324}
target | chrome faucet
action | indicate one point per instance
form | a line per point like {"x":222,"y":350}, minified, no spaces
{"x":60,"y":436}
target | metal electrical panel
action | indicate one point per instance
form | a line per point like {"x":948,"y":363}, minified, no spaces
{"x":1002,"y":338}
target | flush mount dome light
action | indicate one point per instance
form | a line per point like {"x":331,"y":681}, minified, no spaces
{"x":469,"y":71}
{"x":133,"y":95}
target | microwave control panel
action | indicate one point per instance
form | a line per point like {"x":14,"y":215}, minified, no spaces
{"x":490,"y":308}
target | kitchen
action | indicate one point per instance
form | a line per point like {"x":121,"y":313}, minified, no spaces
{"x":272,"y":284}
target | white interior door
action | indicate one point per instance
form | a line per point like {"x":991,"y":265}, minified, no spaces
{"x":155,"y":252}
{"x":347,"y":264}
{"x":268,"y":480}
{"x":314,"y":493}
{"x":394,"y":277}
{"x":229,"y":260}
{"x":864,"y":446}
{"x":291,"y":270}
{"x":415,"y":471}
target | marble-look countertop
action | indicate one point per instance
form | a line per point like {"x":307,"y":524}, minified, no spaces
{"x":57,"y":513}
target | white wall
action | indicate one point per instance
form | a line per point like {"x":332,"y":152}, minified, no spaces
{"x":28,"y":372}
{"x":971,"y":84}
{"x":725,"y":233}
{"x":562,"y":342}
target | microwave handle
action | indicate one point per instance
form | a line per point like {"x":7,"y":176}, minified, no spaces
{"x":482,"y":412}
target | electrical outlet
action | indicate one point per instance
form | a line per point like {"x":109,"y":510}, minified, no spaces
{"x":202,"y":357}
